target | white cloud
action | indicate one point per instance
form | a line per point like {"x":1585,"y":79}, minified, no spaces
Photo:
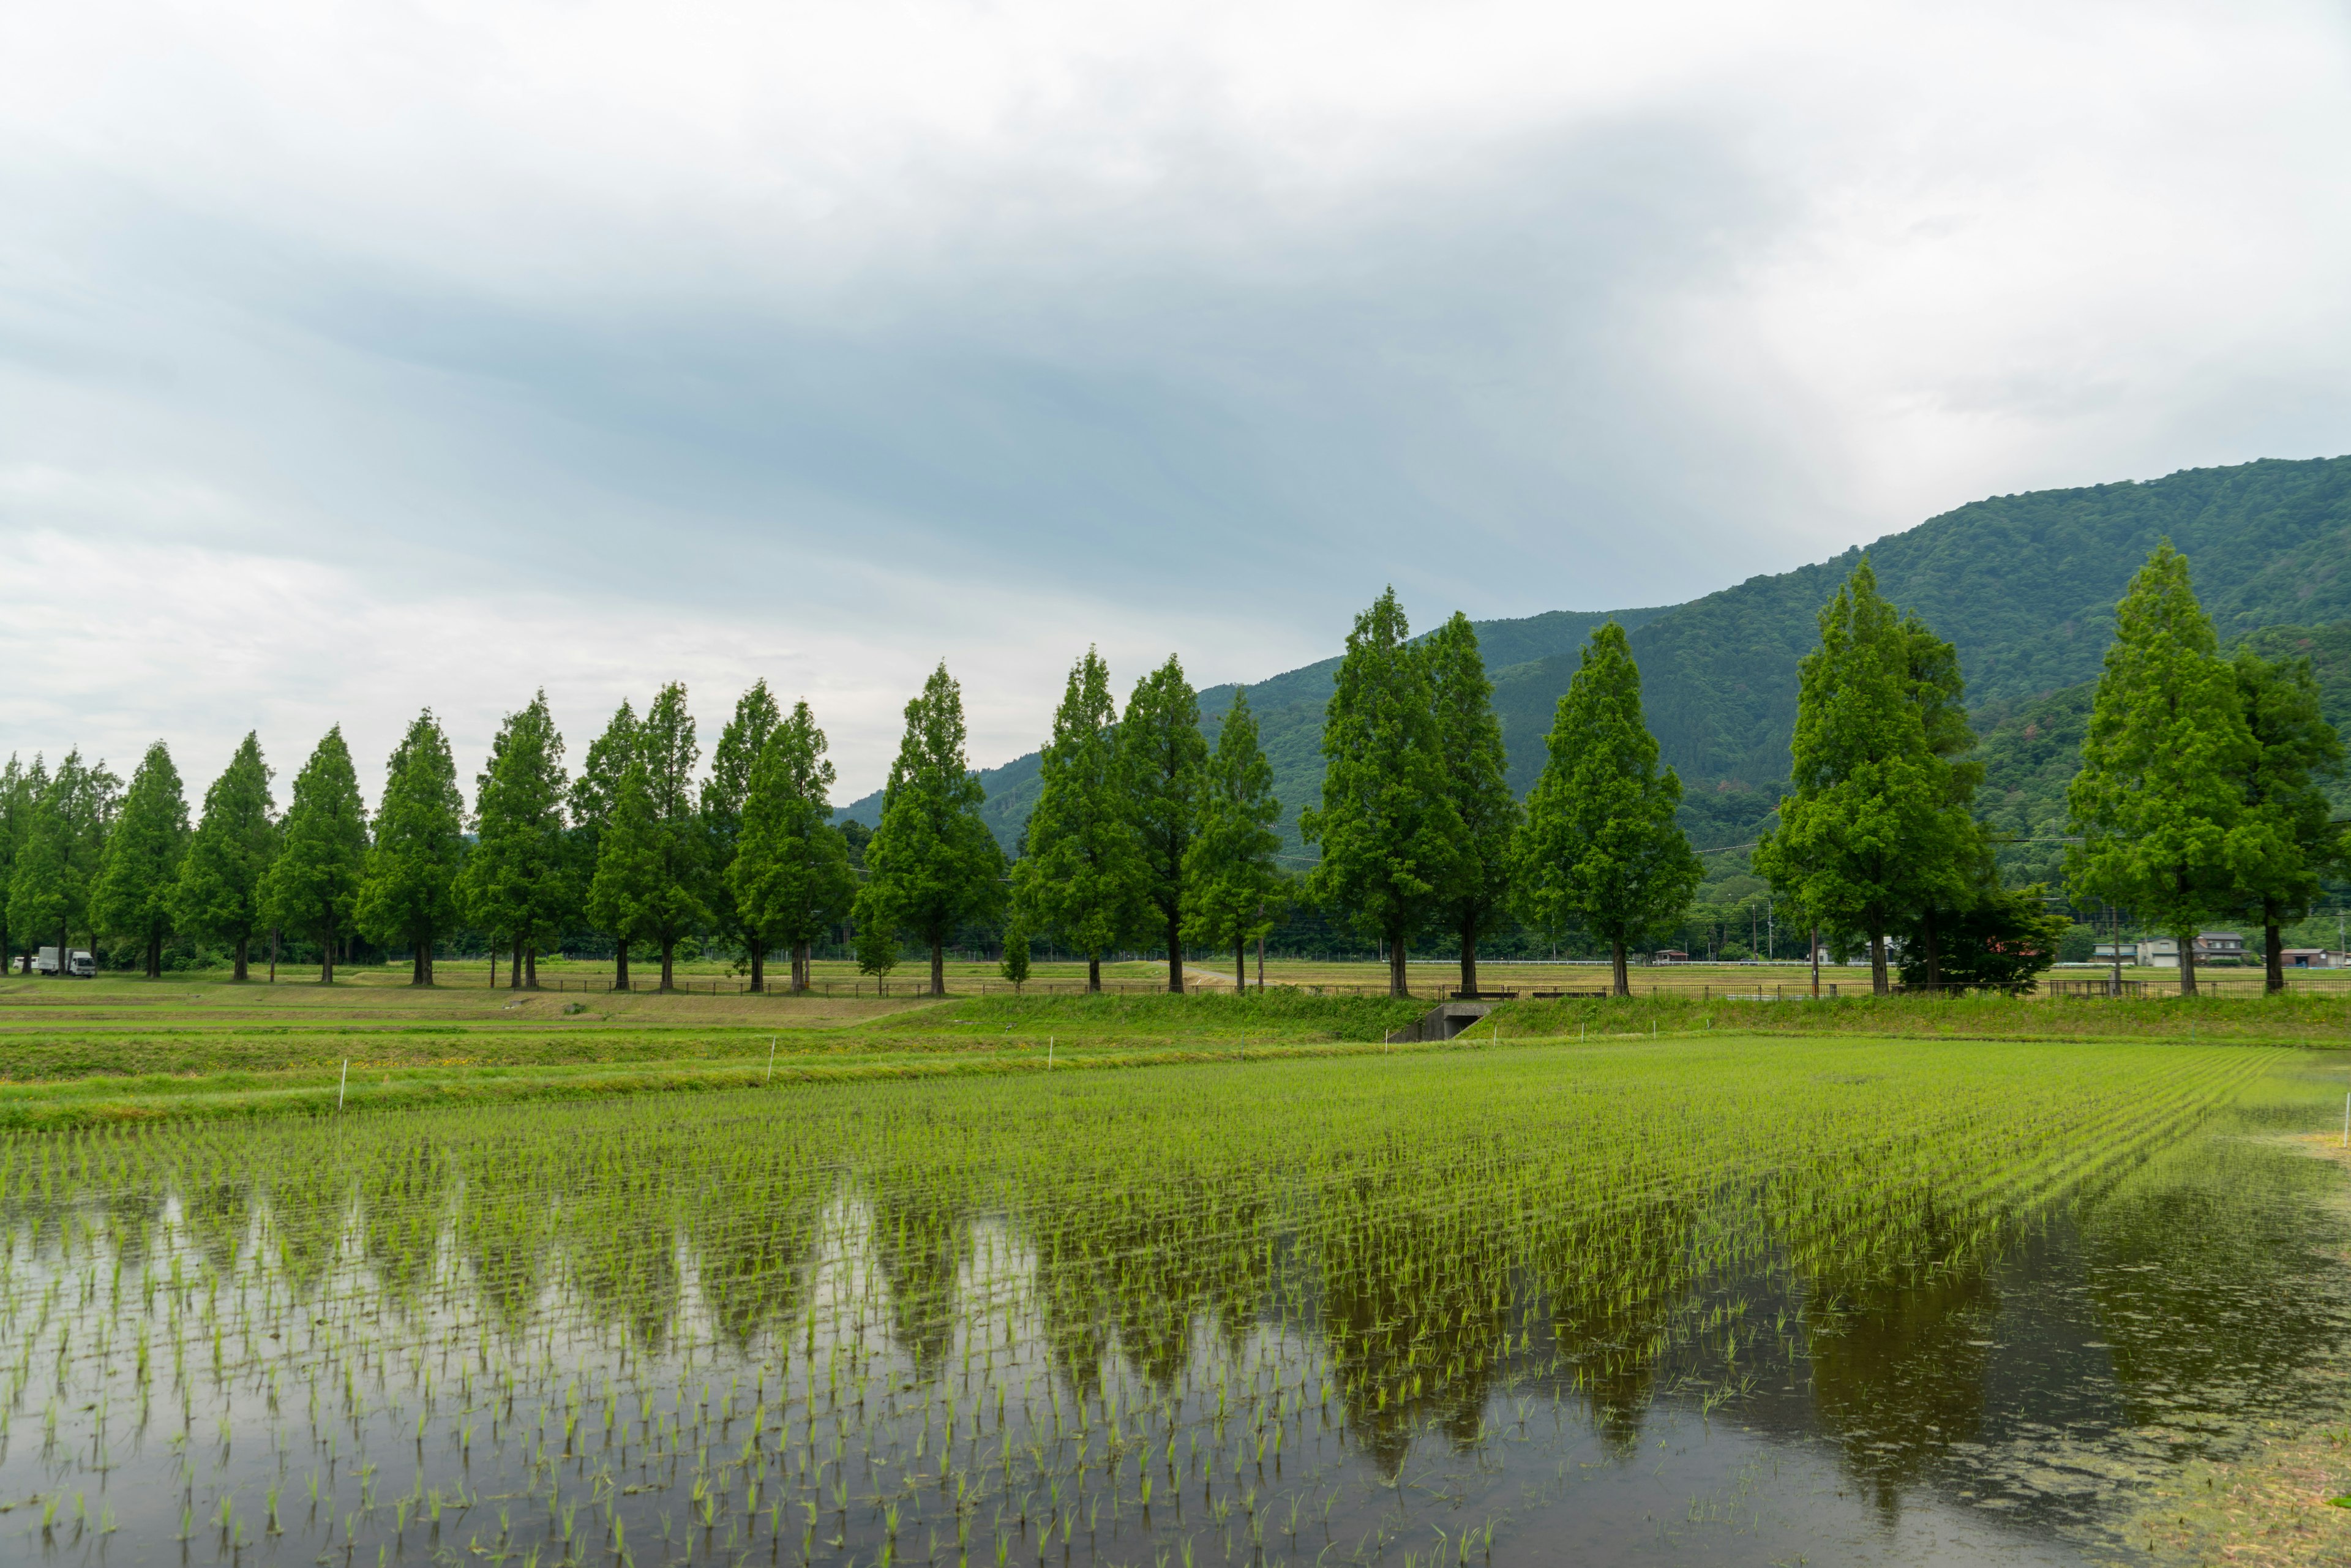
{"x":354,"y":357}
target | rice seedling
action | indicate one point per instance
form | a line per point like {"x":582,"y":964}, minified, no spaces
{"x":1102,"y":1317}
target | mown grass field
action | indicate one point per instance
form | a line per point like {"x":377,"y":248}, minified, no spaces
{"x":82,"y":1052}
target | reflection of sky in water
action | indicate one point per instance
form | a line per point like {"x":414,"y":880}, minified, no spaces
{"x":874,"y":1376}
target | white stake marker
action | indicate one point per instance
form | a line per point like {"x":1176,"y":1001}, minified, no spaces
{"x":344,"y":1087}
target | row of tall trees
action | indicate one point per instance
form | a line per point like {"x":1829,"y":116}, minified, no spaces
{"x":2201,"y":794}
{"x":1420,"y":832}
{"x":632,"y":846}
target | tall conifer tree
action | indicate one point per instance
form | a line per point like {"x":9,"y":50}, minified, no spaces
{"x":1163,"y":756}
{"x":723,"y":794}
{"x":1600,"y":848}
{"x":1080,"y":880}
{"x":519,"y":882}
{"x":2287,"y":838}
{"x":1232,"y":874}
{"x":409,"y":891}
{"x":64,"y":843}
{"x":791,"y":878}
{"x":1475,"y":899}
{"x":1388,"y":826}
{"x":675,"y":904}
{"x":1878,"y":825}
{"x":2161,"y":791}
{"x":17,"y":792}
{"x":313,"y":886}
{"x":595,"y":794}
{"x":621,"y":897}
{"x":219,"y":897}
{"x":141,"y":868}
{"x":932,"y":864}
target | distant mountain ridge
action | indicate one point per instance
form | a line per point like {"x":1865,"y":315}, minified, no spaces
{"x":2024,"y":586}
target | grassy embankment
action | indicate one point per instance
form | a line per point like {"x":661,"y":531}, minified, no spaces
{"x":115,"y":1050}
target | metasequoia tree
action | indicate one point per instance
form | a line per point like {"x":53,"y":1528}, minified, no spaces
{"x":1388,"y":826}
{"x":219,"y":895}
{"x":932,"y":864}
{"x":1475,"y":899}
{"x":18,"y":794}
{"x":312,"y":888}
{"x":1877,"y":824}
{"x":64,"y":843}
{"x":1081,"y":875}
{"x":2160,"y":800}
{"x":790,"y":879}
{"x":1161,"y":755}
{"x":722,"y":793}
{"x":409,"y":892}
{"x":141,"y":870}
{"x":595,"y":794}
{"x":1231,"y":869}
{"x":675,"y":902}
{"x":1600,"y":847}
{"x":520,"y":882}
{"x":2286,"y":840}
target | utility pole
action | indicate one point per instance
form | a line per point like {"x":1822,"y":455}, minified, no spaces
{"x":2115,"y":944}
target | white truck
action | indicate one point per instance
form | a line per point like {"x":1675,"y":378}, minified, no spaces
{"x":79,"y":965}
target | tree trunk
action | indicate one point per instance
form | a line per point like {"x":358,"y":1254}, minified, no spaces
{"x":938,"y":966}
{"x":327,"y":957}
{"x":621,"y":967}
{"x":1934,"y":959}
{"x":239,"y":973}
{"x":156,"y":956}
{"x":1093,"y":973}
{"x":1620,"y":978}
{"x":1240,"y":965}
{"x":530,"y":965}
{"x":806,"y":976}
{"x":1877,"y":986}
{"x":1260,"y":953}
{"x":1398,"y":985}
{"x":1175,"y":953}
{"x":273,"y":954}
{"x":428,"y":962}
{"x":669,"y":964}
{"x":2188,"y":965}
{"x":1816,"y":963}
{"x":1468,"y":958}
{"x":2273,"y":937}
{"x":514,"y":967}
{"x":416,"y":965}
{"x":759,"y":965}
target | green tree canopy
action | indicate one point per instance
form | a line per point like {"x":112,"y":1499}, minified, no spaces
{"x":409,"y":891}
{"x":219,"y":897}
{"x":628,"y":866}
{"x":1387,"y":826}
{"x":732,"y":761}
{"x":1878,"y":824}
{"x":520,"y":882}
{"x":1474,"y":901}
{"x":595,"y":794}
{"x":791,"y":878}
{"x":64,"y":843}
{"x":1236,"y":885}
{"x":932,"y":864}
{"x":312,"y":887}
{"x":1161,"y":755}
{"x":20,"y":787}
{"x":2160,"y":796}
{"x":1600,"y":848}
{"x":2287,"y":840}
{"x":1081,"y":875}
{"x":141,"y":867}
{"x":675,"y":903}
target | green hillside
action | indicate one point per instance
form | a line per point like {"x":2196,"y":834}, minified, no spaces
{"x":2024,"y":586}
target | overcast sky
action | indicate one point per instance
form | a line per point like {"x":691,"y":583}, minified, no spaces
{"x":358,"y":358}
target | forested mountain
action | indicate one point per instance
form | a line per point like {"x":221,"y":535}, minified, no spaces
{"x":2024,"y":586}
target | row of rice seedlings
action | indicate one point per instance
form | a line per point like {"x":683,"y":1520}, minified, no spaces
{"x":1094,"y":1316}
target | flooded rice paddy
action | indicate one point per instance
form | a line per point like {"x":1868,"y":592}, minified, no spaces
{"x":1830,"y":1303}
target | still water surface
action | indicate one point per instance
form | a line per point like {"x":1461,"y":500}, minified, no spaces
{"x":187,"y":1387}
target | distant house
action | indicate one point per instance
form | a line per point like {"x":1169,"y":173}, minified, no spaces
{"x":2163,"y":952}
{"x":1670,"y":956}
{"x":2310,"y":958}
